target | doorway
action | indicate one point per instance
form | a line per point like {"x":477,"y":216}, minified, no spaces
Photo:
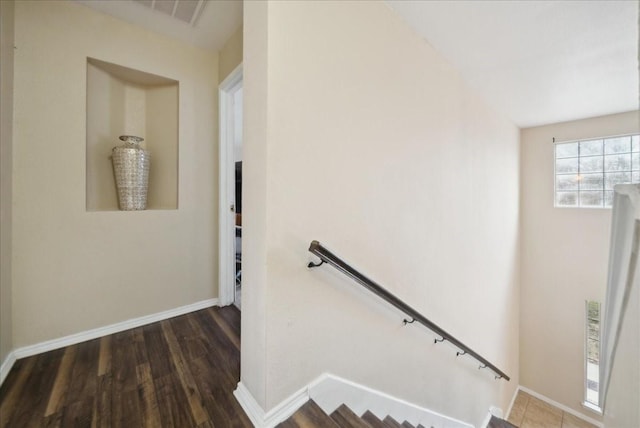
{"x":230,"y":190}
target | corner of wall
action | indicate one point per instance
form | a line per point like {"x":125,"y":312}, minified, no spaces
{"x":6,"y":171}
{"x":230,"y":56}
{"x":549,"y":285}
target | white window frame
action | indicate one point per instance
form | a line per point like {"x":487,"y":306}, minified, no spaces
{"x":555,"y":173}
{"x":587,"y":403}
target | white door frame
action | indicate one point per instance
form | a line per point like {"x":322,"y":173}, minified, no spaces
{"x":226,"y":208}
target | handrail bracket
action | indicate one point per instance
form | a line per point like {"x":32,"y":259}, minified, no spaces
{"x":328,"y":257}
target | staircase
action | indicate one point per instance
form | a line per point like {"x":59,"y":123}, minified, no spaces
{"x":311,"y":415}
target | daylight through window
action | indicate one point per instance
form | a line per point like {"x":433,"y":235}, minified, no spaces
{"x":592,"y":354}
{"x":586,"y":171}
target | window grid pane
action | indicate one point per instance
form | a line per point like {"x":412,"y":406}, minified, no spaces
{"x":617,"y":145}
{"x":621,"y":162}
{"x":587,"y":171}
{"x":590,"y":148}
{"x":591,"y":199}
{"x":566,"y":150}
{"x":591,"y":164}
{"x":567,"y":199}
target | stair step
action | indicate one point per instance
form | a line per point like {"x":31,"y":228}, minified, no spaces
{"x":310,"y":415}
{"x":392,"y":423}
{"x":373,"y":420}
{"x":499,"y":423}
{"x":345,"y":418}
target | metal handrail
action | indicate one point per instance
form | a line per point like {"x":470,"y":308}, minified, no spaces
{"x":328,"y":257}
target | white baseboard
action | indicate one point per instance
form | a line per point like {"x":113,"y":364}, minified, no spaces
{"x":249,"y":405}
{"x":561,"y":406}
{"x":513,"y":400}
{"x":278,"y":414}
{"x":493,"y":411}
{"x":330,"y":391}
{"x":8,"y":362}
{"x":50,"y":345}
{"x":487,"y":419}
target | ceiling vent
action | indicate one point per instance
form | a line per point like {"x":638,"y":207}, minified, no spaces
{"x":184,"y":10}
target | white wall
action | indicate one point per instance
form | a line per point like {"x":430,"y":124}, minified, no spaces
{"x":76,"y":270}
{"x":255,"y":83}
{"x":622,"y":409}
{"x":359,"y":134}
{"x":564,"y":262}
{"x":6,"y":150}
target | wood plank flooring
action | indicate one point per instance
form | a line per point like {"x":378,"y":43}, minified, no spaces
{"x":177,"y":373}
{"x":310,"y":415}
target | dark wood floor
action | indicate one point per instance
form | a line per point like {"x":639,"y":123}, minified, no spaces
{"x":310,"y":415}
{"x":175,"y":373}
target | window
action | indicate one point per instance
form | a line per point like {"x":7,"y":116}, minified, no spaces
{"x":592,"y":355}
{"x":586,"y":171}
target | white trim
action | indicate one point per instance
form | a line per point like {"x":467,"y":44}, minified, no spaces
{"x":624,"y":256}
{"x":249,"y":405}
{"x":633,"y":134}
{"x":561,"y":406}
{"x":49,"y":345}
{"x":278,"y":414}
{"x":226,"y":220}
{"x":8,"y":362}
{"x":493,"y":411}
{"x":592,"y":407}
{"x":487,"y":419}
{"x":330,"y":391}
{"x":513,"y":400}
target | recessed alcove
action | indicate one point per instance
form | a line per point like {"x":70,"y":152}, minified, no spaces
{"x":124,"y":101}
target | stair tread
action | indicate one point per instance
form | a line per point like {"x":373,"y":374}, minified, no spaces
{"x":406,"y":424}
{"x":310,"y":415}
{"x":495,"y":422}
{"x":392,"y":423}
{"x":373,"y":420}
{"x":345,"y":418}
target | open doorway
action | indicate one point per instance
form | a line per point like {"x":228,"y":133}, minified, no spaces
{"x":230,"y":202}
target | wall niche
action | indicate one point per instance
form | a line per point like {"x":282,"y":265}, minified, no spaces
{"x":124,"y":101}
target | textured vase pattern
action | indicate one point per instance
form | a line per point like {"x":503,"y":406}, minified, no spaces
{"x":131,"y":169}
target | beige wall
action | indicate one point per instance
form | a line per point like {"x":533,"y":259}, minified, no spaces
{"x":162,"y":135}
{"x":230,"y":54}
{"x":564,"y":262}
{"x":6,"y":138}
{"x":365,"y":138}
{"x":145,"y":106}
{"x":76,"y":270}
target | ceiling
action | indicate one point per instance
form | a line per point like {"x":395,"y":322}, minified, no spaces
{"x":537,"y":62}
{"x":204,"y":23}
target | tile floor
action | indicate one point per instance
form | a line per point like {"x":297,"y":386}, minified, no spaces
{"x":530,"y":412}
